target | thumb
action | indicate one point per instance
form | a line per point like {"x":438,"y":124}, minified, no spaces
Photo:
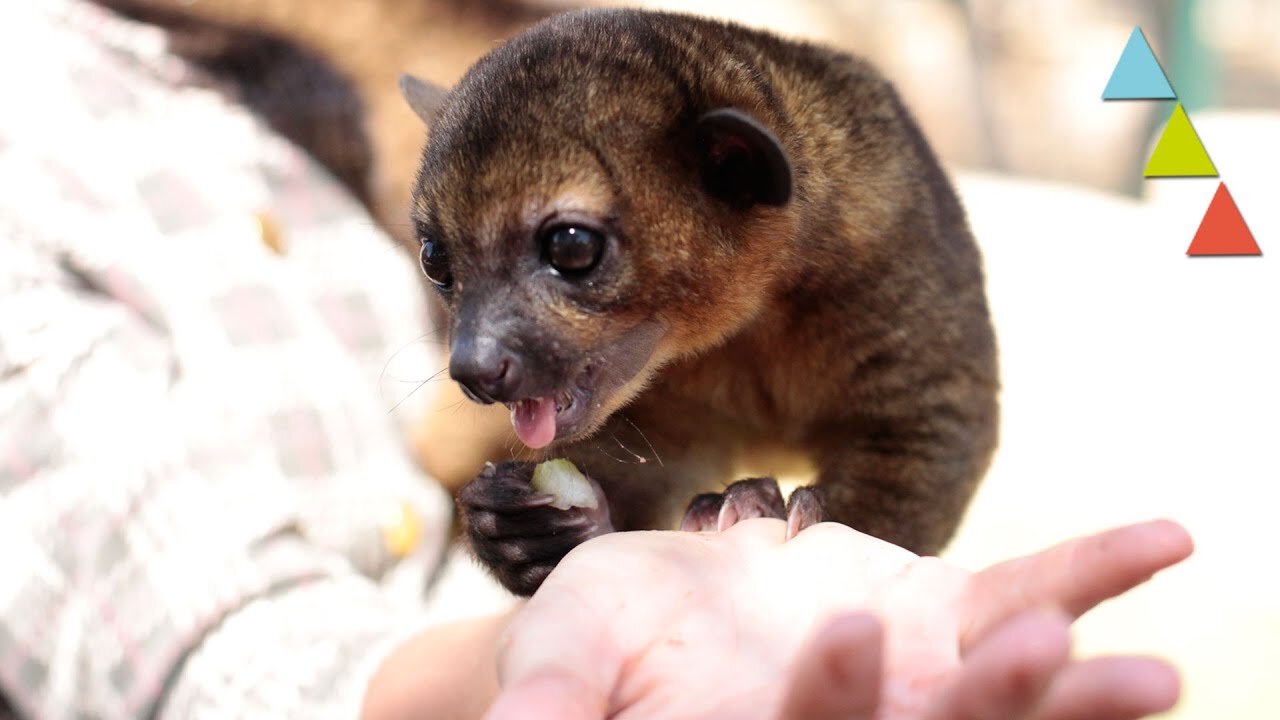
{"x":557,"y":659}
{"x":548,"y":694}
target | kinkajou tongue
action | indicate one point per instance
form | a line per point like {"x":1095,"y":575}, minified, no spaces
{"x":535,"y":421}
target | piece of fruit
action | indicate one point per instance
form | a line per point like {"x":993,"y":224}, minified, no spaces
{"x":565,"y":482}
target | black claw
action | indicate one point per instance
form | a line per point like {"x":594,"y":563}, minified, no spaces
{"x":500,"y":526}
{"x":526,"y":580}
{"x":804,"y":508}
{"x":503,"y":488}
{"x":743,"y":500}
{"x":752,"y":498}
{"x":514,"y":530}
{"x":703,"y":513}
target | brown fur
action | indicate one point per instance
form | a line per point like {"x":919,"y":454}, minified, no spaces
{"x":849,"y":327}
{"x":847,"y":330}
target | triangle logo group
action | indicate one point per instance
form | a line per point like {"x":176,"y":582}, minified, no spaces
{"x":1179,"y":153}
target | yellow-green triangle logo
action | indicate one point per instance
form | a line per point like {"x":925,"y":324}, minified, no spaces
{"x":1180,"y":152}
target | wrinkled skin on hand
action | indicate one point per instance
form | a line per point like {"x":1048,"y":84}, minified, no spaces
{"x":718,"y":625}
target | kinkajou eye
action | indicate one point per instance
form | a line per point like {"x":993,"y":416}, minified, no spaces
{"x":573,"y":250}
{"x":435,"y":263}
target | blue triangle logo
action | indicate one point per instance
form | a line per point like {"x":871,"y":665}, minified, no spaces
{"x":1138,"y":75}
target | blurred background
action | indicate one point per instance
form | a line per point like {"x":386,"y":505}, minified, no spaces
{"x":998,"y":85}
{"x":1013,"y":86}
{"x":1138,"y":382}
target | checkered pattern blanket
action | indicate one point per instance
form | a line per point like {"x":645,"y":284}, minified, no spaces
{"x":199,"y":469}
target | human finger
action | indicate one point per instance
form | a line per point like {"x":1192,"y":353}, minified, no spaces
{"x":552,"y":693}
{"x":1111,"y":688}
{"x":1073,"y":576}
{"x":1008,"y":672}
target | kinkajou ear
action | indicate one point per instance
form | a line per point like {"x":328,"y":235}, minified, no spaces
{"x":743,"y":163}
{"x":425,"y":98}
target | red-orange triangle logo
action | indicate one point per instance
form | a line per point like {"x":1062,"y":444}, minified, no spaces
{"x":1223,"y":230}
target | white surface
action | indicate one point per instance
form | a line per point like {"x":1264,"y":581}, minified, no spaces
{"x":1141,"y":383}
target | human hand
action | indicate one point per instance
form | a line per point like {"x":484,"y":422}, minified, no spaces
{"x":1020,"y":671}
{"x":635,"y":625}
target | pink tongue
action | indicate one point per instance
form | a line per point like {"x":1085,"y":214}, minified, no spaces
{"x":535,"y":421}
